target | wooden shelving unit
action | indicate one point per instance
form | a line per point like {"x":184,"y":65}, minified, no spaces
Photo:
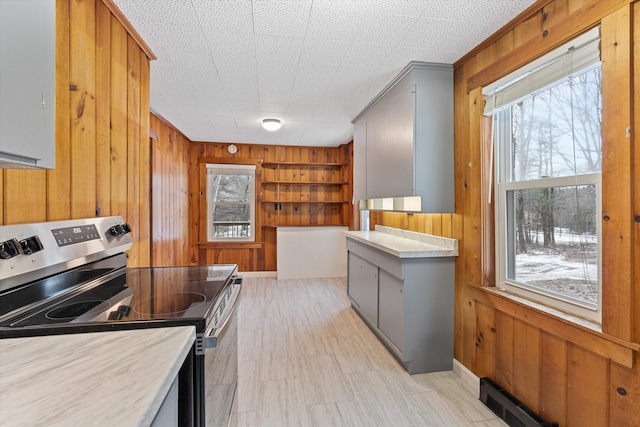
{"x":304,"y":194}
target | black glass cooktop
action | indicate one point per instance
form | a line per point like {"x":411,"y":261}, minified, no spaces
{"x":134,"y":294}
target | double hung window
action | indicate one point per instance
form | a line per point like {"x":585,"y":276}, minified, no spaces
{"x":230,"y":202}
{"x":547,"y":121}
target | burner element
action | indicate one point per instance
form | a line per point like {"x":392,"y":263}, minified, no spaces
{"x":71,"y":311}
{"x":170,"y":303}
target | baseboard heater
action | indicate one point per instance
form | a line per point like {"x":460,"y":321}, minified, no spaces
{"x":508,"y":407}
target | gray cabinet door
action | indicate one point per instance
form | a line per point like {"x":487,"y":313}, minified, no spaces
{"x":363,"y":286}
{"x":390,"y":137}
{"x":391,"y":314}
{"x":27,"y":83}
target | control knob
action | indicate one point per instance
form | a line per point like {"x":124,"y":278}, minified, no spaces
{"x":116,"y":230}
{"x":119,"y":229}
{"x":31,"y":245}
{"x":9,"y":249}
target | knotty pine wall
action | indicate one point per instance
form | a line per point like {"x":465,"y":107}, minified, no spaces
{"x":102,"y":130}
{"x":169,"y":196}
{"x":570,"y":374}
{"x":445,"y":224}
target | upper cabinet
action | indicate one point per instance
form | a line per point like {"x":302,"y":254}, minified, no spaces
{"x":403,"y":140}
{"x":27,"y":83}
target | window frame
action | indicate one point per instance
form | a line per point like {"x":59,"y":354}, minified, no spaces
{"x":503,"y":223}
{"x":504,"y":183}
{"x":239,"y":169}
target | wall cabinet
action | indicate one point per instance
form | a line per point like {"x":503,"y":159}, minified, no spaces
{"x":407,"y":302}
{"x":27,"y":83}
{"x":403,"y":140}
{"x":309,"y":193}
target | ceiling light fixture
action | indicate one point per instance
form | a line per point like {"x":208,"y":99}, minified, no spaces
{"x":271,"y":124}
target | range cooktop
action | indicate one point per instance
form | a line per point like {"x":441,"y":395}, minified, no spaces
{"x":94,"y":294}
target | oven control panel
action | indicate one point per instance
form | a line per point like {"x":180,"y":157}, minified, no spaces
{"x":31,"y":251}
{"x":71,"y":235}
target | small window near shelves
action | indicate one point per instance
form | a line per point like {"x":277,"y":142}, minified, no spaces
{"x":547,"y":127}
{"x":230,"y":202}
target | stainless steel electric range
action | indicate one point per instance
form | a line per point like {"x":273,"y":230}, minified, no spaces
{"x":71,"y":277}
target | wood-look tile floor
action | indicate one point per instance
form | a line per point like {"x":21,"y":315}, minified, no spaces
{"x":307,"y":359}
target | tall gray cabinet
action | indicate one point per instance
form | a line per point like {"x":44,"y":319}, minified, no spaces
{"x":403,"y":139}
{"x":27,"y":83}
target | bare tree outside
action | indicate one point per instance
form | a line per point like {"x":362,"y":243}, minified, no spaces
{"x":230,"y":203}
{"x":556,"y":133}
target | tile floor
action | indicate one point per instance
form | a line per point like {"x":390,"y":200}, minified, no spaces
{"x":307,"y":359}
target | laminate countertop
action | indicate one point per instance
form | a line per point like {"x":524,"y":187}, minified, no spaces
{"x":117,"y":378}
{"x":406,"y":244}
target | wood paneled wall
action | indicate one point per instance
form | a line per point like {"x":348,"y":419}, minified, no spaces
{"x":445,"y":224}
{"x":169,"y":196}
{"x":570,"y":373}
{"x":261,"y":254}
{"x":102,"y":130}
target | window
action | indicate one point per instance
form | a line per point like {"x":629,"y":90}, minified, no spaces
{"x":230,"y":202}
{"x":547,"y":131}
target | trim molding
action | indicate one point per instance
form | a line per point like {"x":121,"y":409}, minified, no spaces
{"x":129,"y":28}
{"x":526,"y":14}
{"x":268,"y":274}
{"x":467,"y":376}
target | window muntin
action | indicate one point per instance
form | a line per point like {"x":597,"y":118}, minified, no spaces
{"x":230,"y":202}
{"x":549,"y":152}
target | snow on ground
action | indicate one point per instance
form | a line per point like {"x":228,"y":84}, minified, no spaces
{"x":570,"y":268}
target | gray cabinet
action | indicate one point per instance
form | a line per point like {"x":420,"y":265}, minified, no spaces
{"x":407,"y":302}
{"x":391,"y":317}
{"x":27,"y":83}
{"x":403,"y":140}
{"x":363,"y":286}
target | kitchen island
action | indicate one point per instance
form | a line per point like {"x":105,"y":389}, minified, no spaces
{"x":401,"y":283}
{"x":102,"y":378}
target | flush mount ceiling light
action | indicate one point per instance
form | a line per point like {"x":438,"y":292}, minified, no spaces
{"x":271,"y":124}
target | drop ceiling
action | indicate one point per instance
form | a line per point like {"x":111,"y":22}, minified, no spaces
{"x":224,"y":65}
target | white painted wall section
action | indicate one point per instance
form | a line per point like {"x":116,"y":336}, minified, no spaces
{"x":311,"y":252}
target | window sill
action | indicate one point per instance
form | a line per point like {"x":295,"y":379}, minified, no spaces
{"x":230,"y":245}
{"x":576,"y":330}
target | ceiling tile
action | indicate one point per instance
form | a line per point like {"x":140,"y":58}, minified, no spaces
{"x":277,"y":18}
{"x":223,"y":65}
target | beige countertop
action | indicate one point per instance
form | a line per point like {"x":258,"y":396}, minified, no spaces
{"x":117,"y":378}
{"x":406,"y":244}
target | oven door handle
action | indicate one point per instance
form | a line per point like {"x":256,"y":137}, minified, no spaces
{"x":216,"y":333}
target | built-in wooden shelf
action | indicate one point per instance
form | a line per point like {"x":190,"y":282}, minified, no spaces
{"x":304,"y":225}
{"x":292,"y":183}
{"x":304,"y":164}
{"x":305,"y":182}
{"x":306,"y":201}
